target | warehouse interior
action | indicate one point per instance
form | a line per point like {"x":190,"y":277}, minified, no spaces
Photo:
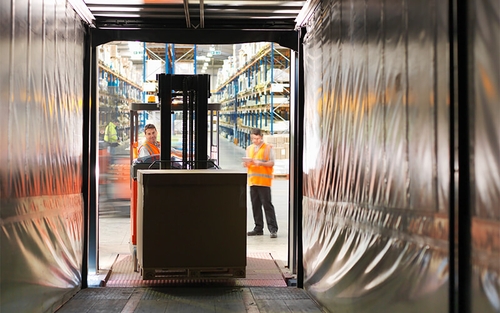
{"x":392,"y":178}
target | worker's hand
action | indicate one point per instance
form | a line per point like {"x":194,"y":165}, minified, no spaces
{"x":247,"y":161}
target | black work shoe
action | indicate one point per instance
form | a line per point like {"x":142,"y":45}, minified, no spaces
{"x":273,"y":235}
{"x":255,"y":233}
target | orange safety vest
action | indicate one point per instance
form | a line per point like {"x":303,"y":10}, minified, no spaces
{"x":260,"y":175}
{"x":152,"y":149}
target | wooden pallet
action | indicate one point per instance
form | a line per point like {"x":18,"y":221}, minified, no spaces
{"x":282,"y":176}
{"x":168,"y":273}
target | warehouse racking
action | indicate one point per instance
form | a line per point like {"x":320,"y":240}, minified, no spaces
{"x":253,"y":88}
{"x":252,"y":85}
{"x":120,"y":84}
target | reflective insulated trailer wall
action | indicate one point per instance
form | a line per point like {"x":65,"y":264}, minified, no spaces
{"x":483,"y":115}
{"x":384,"y":152}
{"x":41,"y":203}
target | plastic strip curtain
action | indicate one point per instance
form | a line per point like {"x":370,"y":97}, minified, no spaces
{"x":485,"y":134}
{"x":376,"y":156}
{"x":41,"y":208}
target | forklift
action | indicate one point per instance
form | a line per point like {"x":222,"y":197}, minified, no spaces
{"x":189,"y":142}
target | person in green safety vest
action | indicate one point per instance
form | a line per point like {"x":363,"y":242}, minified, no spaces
{"x":111,"y":138}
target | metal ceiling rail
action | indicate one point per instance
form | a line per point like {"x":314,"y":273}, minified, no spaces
{"x":202,"y":13}
{"x":186,"y":13}
{"x":286,"y":38}
{"x":214,"y":14}
{"x":170,"y":21}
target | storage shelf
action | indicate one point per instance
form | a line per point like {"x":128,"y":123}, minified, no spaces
{"x":264,"y":106}
{"x":115,"y":100}
{"x":256,"y":95}
{"x":249,"y":64}
{"x":117,"y":75}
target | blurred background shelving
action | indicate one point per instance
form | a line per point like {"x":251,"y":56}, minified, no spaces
{"x":251,"y":81}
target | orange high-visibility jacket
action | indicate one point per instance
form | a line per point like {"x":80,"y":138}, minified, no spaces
{"x":152,"y":149}
{"x":260,"y":175}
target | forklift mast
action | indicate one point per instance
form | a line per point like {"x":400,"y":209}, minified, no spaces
{"x":176,"y":93}
{"x":194,"y":92}
{"x":188,"y":94}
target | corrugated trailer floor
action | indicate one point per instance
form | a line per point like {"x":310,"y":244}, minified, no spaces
{"x":264,"y":289}
{"x":218,"y":299}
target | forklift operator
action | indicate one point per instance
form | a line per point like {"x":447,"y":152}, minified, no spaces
{"x":150,"y":146}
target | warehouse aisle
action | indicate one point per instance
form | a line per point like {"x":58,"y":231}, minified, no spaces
{"x":114,"y":219}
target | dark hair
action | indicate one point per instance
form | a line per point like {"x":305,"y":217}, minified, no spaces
{"x":149,"y":126}
{"x":256,"y":132}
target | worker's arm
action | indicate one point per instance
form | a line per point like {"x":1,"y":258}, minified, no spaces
{"x":143,"y":151}
{"x":268,"y":163}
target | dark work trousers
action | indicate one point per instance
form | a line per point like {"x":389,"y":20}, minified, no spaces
{"x":261,"y":197}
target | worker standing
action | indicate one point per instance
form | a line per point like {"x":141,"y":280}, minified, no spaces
{"x":260,"y":163}
{"x":111,"y":138}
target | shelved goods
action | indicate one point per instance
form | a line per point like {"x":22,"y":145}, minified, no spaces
{"x":252,"y":86}
{"x":120,"y":83}
{"x":254,"y":90}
